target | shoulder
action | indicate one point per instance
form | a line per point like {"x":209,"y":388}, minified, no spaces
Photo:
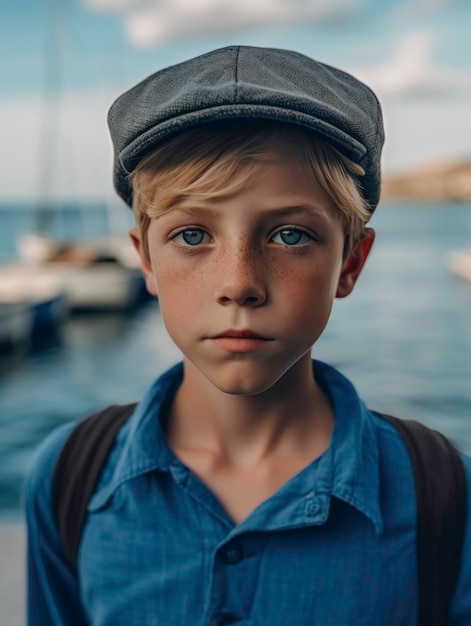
{"x":40,"y":476}
{"x":41,"y":470}
{"x":45,"y":458}
{"x":424,"y":440}
{"x":415,"y":439}
{"x":41,"y":525}
{"x":393,"y":451}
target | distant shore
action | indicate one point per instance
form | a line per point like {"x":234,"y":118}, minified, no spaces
{"x":440,"y":182}
{"x":12,"y":574}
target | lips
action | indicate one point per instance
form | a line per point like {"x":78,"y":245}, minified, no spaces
{"x":240,"y":334}
{"x":240,"y":341}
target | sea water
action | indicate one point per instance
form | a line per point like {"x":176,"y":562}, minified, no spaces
{"x":403,"y":338}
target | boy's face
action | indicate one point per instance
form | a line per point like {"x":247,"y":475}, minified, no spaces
{"x":266,"y":260}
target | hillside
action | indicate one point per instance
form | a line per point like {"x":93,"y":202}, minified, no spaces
{"x":445,"y":182}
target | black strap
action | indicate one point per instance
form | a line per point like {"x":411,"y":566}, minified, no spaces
{"x":441,"y":495}
{"x":78,"y":469}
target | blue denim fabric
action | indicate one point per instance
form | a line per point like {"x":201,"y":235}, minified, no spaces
{"x":334,"y":546}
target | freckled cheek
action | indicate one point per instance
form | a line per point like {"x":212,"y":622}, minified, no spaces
{"x":167,"y":276}
{"x":304,"y":280}
{"x":178,"y":287}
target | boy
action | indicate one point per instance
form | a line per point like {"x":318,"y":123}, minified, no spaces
{"x":251,"y":485}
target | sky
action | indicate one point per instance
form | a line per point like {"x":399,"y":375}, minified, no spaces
{"x":65,"y":61}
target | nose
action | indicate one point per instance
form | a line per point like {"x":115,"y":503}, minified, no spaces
{"x":241,"y":277}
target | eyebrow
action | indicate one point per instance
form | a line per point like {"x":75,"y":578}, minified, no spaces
{"x":300,"y":210}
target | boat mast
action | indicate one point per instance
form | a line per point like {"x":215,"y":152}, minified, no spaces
{"x":51,"y":91}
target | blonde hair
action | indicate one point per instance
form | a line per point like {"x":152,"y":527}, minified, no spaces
{"x":214,"y":160}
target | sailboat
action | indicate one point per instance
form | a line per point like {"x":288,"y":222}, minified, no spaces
{"x":103,"y":274}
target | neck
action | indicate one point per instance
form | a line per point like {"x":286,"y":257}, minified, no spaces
{"x":294,"y":416}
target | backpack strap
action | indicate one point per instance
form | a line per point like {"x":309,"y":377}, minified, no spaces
{"x":77,"y":471}
{"x":441,"y":496}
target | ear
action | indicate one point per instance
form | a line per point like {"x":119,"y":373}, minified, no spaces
{"x":353,"y":264}
{"x":138,"y":242}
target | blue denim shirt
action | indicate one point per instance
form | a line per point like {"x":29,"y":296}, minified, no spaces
{"x":333,"y":546}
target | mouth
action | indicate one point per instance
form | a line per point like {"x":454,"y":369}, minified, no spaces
{"x":240,"y":341}
{"x":241,"y":334}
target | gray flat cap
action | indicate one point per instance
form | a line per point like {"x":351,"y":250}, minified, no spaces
{"x":244,"y":82}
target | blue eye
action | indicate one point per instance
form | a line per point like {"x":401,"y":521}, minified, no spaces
{"x":191,"y":236}
{"x":292,"y":236}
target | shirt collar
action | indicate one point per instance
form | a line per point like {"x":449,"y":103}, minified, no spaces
{"x":354,"y":446}
{"x":351,"y":464}
{"x":146,"y":445}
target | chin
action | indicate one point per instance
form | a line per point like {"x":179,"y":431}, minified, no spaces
{"x":248,"y":388}
{"x":243,"y":380}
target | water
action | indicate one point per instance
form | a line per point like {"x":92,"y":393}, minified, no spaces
{"x":403,"y":338}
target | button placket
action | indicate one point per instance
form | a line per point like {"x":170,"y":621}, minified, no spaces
{"x":229,"y":588}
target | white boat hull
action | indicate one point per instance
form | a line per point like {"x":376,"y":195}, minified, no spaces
{"x":99,"y":286}
{"x":103,"y":286}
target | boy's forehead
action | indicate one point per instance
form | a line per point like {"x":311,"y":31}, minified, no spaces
{"x":276,"y":185}
{"x":243,"y":82}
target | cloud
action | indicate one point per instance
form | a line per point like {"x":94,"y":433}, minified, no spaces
{"x":151,"y":22}
{"x":412,"y":71}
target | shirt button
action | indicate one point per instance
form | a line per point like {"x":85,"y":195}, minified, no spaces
{"x":312,"y":508}
{"x":180,"y":473}
{"x":232,"y":554}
